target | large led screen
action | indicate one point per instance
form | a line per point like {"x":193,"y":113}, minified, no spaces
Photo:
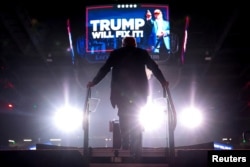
{"x":107,"y":25}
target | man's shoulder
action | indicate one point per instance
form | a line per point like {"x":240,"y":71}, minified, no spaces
{"x":142,"y":50}
{"x":117,"y":50}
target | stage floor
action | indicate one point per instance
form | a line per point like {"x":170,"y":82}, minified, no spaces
{"x":101,"y":157}
{"x":150,"y":157}
{"x":58,"y":156}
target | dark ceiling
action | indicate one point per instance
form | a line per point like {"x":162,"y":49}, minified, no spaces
{"x":32,"y":31}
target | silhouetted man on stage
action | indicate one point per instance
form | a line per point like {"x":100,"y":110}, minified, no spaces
{"x":129,"y":88}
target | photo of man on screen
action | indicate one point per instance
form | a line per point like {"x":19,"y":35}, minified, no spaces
{"x":160,"y":33}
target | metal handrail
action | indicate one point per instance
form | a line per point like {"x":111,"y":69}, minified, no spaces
{"x":172,"y":122}
{"x":86,"y":128}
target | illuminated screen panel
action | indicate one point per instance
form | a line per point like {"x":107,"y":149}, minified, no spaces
{"x":107,"y":25}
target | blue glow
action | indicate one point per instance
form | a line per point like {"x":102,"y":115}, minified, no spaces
{"x":220,"y":146}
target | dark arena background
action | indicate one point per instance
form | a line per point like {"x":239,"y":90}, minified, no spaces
{"x":49,"y":52}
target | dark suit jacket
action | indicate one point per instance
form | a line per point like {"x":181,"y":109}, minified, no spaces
{"x":129,"y":80}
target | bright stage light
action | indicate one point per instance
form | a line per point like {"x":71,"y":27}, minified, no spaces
{"x":191,"y":117}
{"x":152,"y":116}
{"x":68,"y":119}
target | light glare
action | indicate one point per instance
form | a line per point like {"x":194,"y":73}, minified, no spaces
{"x":191,"y":117}
{"x":68,"y":119}
{"x":152,"y":116}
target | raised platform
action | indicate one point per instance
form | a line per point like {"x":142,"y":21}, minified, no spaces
{"x":184,"y":156}
{"x":58,"y":156}
{"x":99,"y":158}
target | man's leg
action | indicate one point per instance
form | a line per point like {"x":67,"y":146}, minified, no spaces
{"x":130,"y":129}
{"x":124,"y":132}
{"x":136,"y":137}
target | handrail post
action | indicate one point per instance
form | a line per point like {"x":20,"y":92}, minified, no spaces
{"x":171,"y":126}
{"x":86,"y":129}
